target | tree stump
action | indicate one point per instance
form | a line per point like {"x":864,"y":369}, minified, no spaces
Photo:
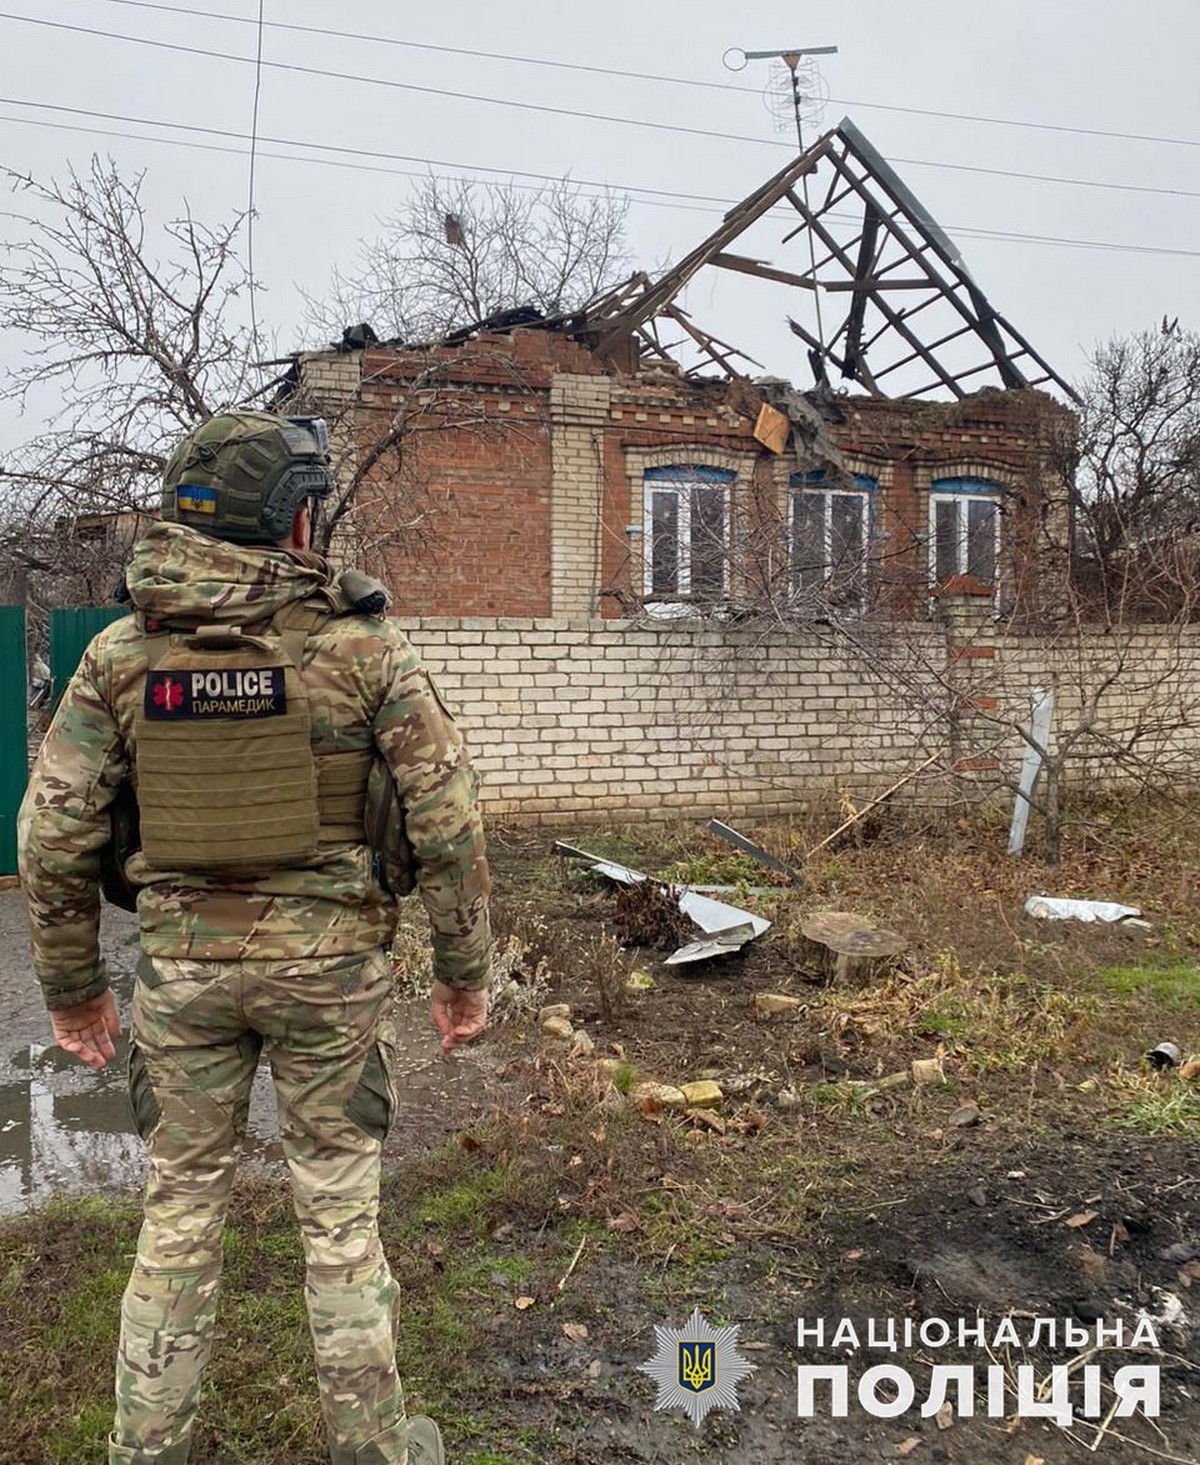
{"x":852,"y":950}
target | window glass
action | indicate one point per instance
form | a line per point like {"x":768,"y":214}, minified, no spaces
{"x":808,"y":540}
{"x":687,"y":532}
{"x":664,"y":550}
{"x":981,"y":540}
{"x":945,"y":538}
{"x":830,"y":539}
{"x":965,"y":525}
{"x":708,"y":540}
{"x":847,"y":545}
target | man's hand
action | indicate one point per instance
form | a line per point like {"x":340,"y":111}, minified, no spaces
{"x":87,"y":1030}
{"x":458,"y":1016}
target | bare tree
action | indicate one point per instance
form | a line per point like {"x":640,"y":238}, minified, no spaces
{"x":952,"y":689}
{"x":135,"y":335}
{"x":1138,"y":481}
{"x":461,"y":251}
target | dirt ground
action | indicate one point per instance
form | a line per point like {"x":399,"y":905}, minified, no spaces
{"x":543,"y":1216}
{"x":1022,"y":1186}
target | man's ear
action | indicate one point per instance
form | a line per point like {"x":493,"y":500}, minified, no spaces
{"x":301,"y":536}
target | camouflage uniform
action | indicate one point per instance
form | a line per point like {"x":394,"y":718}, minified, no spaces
{"x":291,"y":962}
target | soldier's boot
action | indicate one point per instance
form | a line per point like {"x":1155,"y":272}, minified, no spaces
{"x":176,"y":1454}
{"x":424,"y":1442}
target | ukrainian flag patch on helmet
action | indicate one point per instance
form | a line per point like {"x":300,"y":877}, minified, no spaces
{"x":192,"y":498}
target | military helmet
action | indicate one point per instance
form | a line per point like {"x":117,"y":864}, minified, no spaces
{"x":243,"y":475}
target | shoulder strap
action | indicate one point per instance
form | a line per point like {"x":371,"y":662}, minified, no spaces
{"x":157,"y":644}
{"x":294,"y":624}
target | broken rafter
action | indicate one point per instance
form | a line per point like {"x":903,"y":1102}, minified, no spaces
{"x":814,"y":344}
{"x":868,"y":249}
{"x":897,"y":321}
{"x":708,"y":342}
{"x":898,"y":247}
{"x":762,"y":270}
{"x":987,"y":321}
{"x":735,"y":222}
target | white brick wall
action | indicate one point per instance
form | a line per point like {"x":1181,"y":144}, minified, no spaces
{"x":592,"y":719}
{"x":578,"y":720}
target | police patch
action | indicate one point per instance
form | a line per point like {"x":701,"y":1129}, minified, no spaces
{"x":257,"y":691}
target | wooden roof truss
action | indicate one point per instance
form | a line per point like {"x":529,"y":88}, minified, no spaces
{"x":895,"y":293}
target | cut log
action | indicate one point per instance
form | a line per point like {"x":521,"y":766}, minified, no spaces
{"x":852,"y":950}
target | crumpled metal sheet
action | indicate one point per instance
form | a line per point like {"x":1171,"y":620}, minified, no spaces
{"x":727,"y":927}
{"x":1058,"y":908}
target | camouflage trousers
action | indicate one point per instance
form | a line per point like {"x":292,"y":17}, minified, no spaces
{"x":198,"y":1029}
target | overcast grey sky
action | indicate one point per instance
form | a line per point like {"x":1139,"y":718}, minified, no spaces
{"x":1091,"y":65}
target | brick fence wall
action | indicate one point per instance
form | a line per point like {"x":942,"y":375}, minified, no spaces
{"x":580,"y":720}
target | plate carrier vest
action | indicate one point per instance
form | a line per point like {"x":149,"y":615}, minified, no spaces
{"x":229,"y":781}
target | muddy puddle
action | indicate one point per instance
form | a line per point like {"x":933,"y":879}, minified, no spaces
{"x":67,"y":1131}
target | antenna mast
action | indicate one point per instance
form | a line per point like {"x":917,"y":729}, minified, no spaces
{"x":792,"y":59}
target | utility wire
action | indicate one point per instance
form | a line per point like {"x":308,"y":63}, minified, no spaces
{"x":533,"y":106}
{"x":250,"y":189}
{"x":390,"y":83}
{"x":721,"y":86}
{"x":700,"y":203}
{"x":527,"y":173}
{"x":258,"y":63}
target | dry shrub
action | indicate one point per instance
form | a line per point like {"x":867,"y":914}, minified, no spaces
{"x":604,"y":965}
{"x":412,"y":955}
{"x":529,"y":960}
{"x":648,"y":914}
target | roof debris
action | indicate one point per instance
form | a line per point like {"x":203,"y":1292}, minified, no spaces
{"x":726,"y":927}
{"x":879,"y":261}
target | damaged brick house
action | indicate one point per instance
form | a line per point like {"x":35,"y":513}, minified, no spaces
{"x":581,"y":466}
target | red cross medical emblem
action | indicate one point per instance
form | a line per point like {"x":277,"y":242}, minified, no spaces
{"x":168,"y":695}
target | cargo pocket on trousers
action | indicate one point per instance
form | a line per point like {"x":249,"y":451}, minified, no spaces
{"x":372,"y":1105}
{"x":146,"y":1112}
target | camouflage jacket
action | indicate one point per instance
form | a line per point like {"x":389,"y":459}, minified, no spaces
{"x":365,"y":684}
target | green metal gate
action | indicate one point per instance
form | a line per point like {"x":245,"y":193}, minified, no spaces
{"x":70,"y":632}
{"x":14,"y":745}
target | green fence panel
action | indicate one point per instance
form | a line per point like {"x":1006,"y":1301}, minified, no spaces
{"x":14,"y":734}
{"x":70,"y":632}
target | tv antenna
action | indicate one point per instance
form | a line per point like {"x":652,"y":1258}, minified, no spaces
{"x":806,"y":102}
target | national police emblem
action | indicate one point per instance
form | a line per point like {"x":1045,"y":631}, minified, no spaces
{"x":697,"y":1367}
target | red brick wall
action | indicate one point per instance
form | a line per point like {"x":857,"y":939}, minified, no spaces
{"x":478,"y":469}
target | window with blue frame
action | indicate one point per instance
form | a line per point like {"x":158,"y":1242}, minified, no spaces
{"x":964,"y":529}
{"x":830,"y":539}
{"x":687,"y":532}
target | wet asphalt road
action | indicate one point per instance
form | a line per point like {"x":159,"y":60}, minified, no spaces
{"x":65,"y":1130}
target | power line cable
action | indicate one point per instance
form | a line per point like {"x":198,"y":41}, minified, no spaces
{"x":258,"y":63}
{"x":723,"y":86}
{"x":643,"y":123}
{"x":527,"y":173}
{"x":250,"y":188}
{"x":659,"y":197}
{"x":391,"y":83}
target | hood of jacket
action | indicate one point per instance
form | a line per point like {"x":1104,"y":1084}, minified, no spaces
{"x":179,"y":574}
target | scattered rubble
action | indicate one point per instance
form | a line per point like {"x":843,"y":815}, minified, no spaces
{"x":926,"y":1071}
{"x":703,"y":1094}
{"x":1166,"y":1055}
{"x":755,"y":851}
{"x":774,"y":1004}
{"x":650,"y":918}
{"x":665,"y":1094}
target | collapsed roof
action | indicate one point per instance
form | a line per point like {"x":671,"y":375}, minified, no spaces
{"x":891,"y":292}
